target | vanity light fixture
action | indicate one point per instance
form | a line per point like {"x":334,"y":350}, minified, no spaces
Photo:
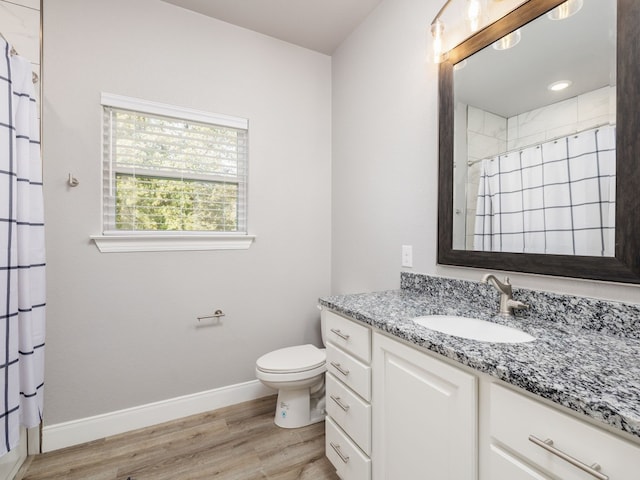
{"x":437,"y":29}
{"x":559,"y":85}
{"x":565,"y":10}
{"x":460,"y":65}
{"x":474,"y":14}
{"x":474,"y":17}
{"x":508,"y":41}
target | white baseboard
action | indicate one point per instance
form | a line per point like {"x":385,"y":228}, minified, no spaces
{"x":83,"y":430}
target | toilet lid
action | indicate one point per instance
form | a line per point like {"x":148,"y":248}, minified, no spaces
{"x":292,"y":359}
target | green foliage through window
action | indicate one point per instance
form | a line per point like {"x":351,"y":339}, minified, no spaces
{"x":169,"y":174}
{"x":151,"y":203}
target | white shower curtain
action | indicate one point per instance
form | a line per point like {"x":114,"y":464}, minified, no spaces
{"x":556,"y":198}
{"x":22,"y":260}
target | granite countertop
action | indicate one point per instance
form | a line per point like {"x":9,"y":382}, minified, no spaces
{"x":593,"y":370}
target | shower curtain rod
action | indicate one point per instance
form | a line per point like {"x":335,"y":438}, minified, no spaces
{"x":606,"y":124}
{"x":13,"y":51}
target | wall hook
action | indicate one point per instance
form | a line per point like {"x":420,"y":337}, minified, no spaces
{"x":73,"y":181}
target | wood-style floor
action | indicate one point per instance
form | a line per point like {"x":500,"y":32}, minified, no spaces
{"x":240,"y":442}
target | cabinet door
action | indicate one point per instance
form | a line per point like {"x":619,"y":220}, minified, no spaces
{"x":424,"y":416}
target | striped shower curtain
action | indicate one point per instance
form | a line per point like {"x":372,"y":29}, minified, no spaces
{"x":22,"y":261}
{"x":554,"y":198}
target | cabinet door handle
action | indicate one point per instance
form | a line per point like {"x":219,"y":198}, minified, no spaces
{"x":343,"y":336}
{"x":547,"y":444}
{"x":342,"y":456}
{"x":338,"y":401}
{"x":340,"y":368}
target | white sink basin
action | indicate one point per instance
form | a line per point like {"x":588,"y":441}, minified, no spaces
{"x":474,"y":329}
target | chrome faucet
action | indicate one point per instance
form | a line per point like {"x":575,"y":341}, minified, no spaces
{"x":507,"y":303}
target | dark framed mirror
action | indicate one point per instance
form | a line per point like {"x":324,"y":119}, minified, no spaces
{"x":502,"y":226}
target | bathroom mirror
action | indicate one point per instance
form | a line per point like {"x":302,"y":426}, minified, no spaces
{"x":535,"y":180}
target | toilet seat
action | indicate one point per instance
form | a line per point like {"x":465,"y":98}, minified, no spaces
{"x":300,"y":358}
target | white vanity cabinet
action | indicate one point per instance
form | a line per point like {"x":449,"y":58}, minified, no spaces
{"x":397,"y":412}
{"x":348,"y":396}
{"x":529,"y":440}
{"x":425,"y":415}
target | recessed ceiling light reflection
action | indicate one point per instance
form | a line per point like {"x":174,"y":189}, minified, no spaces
{"x":508,"y":41}
{"x":559,"y":85}
{"x":565,"y":10}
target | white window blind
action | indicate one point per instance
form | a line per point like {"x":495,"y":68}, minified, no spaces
{"x":168,"y":169}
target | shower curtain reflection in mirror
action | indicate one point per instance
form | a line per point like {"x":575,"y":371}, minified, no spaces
{"x":557,"y":197}
{"x":22,"y":263}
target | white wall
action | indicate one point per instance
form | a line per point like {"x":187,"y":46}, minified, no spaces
{"x":385,"y":150}
{"x":576,"y":114}
{"x":384,"y":173}
{"x":122,"y":328}
{"x":20,"y":25}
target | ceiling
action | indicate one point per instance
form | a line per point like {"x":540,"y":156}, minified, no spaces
{"x":322,"y":25}
{"x":581,"y":48}
{"x":319,"y":25}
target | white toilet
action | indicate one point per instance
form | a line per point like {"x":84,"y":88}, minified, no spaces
{"x":298,"y":375}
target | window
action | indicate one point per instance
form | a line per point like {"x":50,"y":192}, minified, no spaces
{"x":170,"y":171}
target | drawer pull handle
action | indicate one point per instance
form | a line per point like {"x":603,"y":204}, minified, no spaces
{"x":338,"y":401}
{"x":342,"y":456}
{"x":343,"y":336}
{"x":340,"y":368}
{"x":547,"y":444}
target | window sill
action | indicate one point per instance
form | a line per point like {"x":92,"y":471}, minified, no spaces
{"x":170,"y":243}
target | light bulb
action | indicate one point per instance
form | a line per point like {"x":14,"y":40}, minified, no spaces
{"x":565,"y":10}
{"x":474,"y":14}
{"x":437,"y":30}
{"x":508,"y":41}
{"x":460,"y":65}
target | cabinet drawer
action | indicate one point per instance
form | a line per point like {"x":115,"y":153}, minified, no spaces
{"x":514,"y":417}
{"x":350,"y":412}
{"x":350,"y":462}
{"x":350,"y":371}
{"x":348,"y":335}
